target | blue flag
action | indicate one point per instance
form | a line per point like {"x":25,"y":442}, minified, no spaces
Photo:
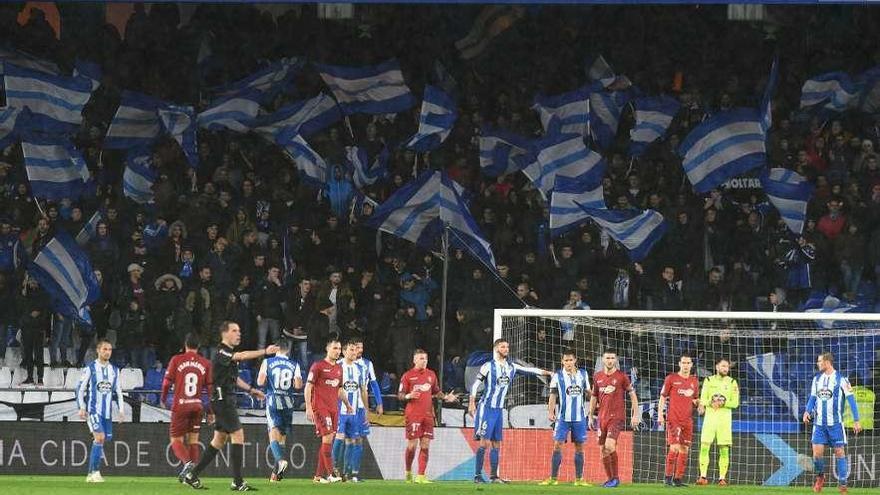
{"x":605,"y":110}
{"x":503,"y":152}
{"x":8,"y":122}
{"x":567,"y":199}
{"x":57,"y":102}
{"x":90,"y":229}
{"x":136,"y":123}
{"x":420,"y":211}
{"x":373,"y":90}
{"x":231,"y":112}
{"x":767,"y":99}
{"x":436,"y":119}
{"x":568,"y":113}
{"x":638,"y":231}
{"x":64,"y":271}
{"x":55,"y":168}
{"x":833,"y":92}
{"x":305,"y":118}
{"x":139,"y":176}
{"x":11,"y":56}
{"x":653,"y":116}
{"x":364,"y":174}
{"x":90,"y":71}
{"x":789,"y":192}
{"x":267,"y":82}
{"x":180,"y":123}
{"x":311,"y":165}
{"x":564,"y":156}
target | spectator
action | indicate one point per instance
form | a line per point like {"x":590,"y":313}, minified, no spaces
{"x":34,"y":322}
{"x":267,"y":308}
{"x":832,"y":223}
{"x":416,"y":291}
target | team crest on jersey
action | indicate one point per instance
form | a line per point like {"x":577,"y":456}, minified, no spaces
{"x":719,"y":398}
{"x":503,"y":380}
{"x":824,"y":393}
{"x":350,"y":386}
{"x":574,"y":390}
{"x":104,"y":386}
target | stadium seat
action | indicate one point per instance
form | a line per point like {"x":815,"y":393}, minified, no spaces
{"x":18,"y":375}
{"x":61,"y":396}
{"x":35,"y":396}
{"x":5,"y":377}
{"x":13,"y":356}
{"x":46,"y":357}
{"x":53,"y":377}
{"x":71,"y":378}
{"x":131,"y":378}
{"x":10,"y":397}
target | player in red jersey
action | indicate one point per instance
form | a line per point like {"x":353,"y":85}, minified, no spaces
{"x":190,"y":374}
{"x":323,"y":393}
{"x":418,"y":388}
{"x":682,"y":390}
{"x":609,"y":388}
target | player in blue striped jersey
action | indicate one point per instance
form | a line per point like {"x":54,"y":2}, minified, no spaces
{"x":96,"y":392}
{"x":281,"y":376}
{"x":496,"y":376}
{"x":568,"y":386}
{"x":347,"y":448}
{"x":828,"y":392}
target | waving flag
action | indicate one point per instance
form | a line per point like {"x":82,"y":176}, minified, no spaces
{"x":568,"y":113}
{"x":491,"y":22}
{"x":10,"y":56}
{"x":90,"y":71}
{"x":564,"y":156}
{"x":55,"y":168}
{"x":638,"y":231}
{"x":232,"y":112}
{"x":90,"y":229}
{"x":772,"y":375}
{"x":311,"y":166}
{"x":420,"y":210}
{"x":724,"y":146}
{"x":834,"y":91}
{"x":436,"y":119}
{"x":180,"y":123}
{"x":600,"y":70}
{"x":268,"y":82}
{"x":868,"y":84}
{"x":64,"y":271}
{"x":139,"y":176}
{"x":136,"y":122}
{"x":58,"y":101}
{"x":364,"y":174}
{"x":767,"y":99}
{"x":503,"y":152}
{"x":374,"y":90}
{"x":566,"y":200}
{"x":605,"y":110}
{"x":305,"y":117}
{"x":789,"y":192}
{"x":652,"y":118}
{"x":8,"y":121}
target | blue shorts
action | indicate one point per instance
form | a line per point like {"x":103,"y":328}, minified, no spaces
{"x":365,"y":424}
{"x":350,"y":425}
{"x":488,"y":423}
{"x":279,"y":418}
{"x":578,"y":430}
{"x":100,"y":424}
{"x":834,"y":435}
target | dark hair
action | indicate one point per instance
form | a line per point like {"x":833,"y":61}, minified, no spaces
{"x":569,"y":352}
{"x":686,"y":355}
{"x":332,"y":340}
{"x":284,"y":345}
{"x":355,"y":340}
{"x":225,"y":325}
{"x":609,"y":351}
{"x":718,"y":361}
{"x":100,"y":343}
{"x":419,"y":350}
{"x":191,"y":341}
{"x":497,"y":342}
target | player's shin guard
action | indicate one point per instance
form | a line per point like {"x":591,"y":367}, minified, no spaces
{"x":606,"y":465}
{"x":578,"y":465}
{"x":327,"y":458}
{"x":277,"y":451}
{"x":208,"y":458}
{"x":494,"y":460}
{"x":478,"y":461}
{"x":95,"y":457}
{"x":180,"y":451}
{"x":671,"y":458}
{"x":842,"y":470}
{"x":236,"y":459}
{"x":614,"y":467}
{"x":704,"y":458}
{"x":338,"y":455}
{"x":322,"y":467}
{"x":193,"y":452}
{"x":358,"y":455}
{"x":681,"y":464}
{"x":348,"y":458}
{"x":723,"y":461}
{"x":819,"y":465}
{"x":408,"y":459}
{"x":423,"y":460}
{"x":555,"y":462}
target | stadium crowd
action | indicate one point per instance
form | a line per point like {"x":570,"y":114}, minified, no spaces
{"x":244,"y":238}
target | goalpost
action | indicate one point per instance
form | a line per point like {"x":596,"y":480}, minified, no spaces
{"x":773,"y":357}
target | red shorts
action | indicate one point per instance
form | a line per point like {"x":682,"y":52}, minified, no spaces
{"x":326,"y":423}
{"x":186,"y":421}
{"x":610,"y":429}
{"x":420,"y":428}
{"x":679,"y":433}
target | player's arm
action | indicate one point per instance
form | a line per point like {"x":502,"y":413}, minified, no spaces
{"x":297,"y":377}
{"x":732,"y":402}
{"x":254,"y":392}
{"x":634,"y":403}
{"x":853,"y":406}
{"x":552,"y":399}
{"x":403,"y":391}
{"x":167,"y":381}
{"x":262,"y":375}
{"x":705,"y":396}
{"x":811,"y":403}
{"x":439,"y":395}
{"x":475,"y":388}
{"x":119,"y":400}
{"x":375,"y":389}
{"x":248,"y":355}
{"x":310,"y":386}
{"x":661,"y":404}
{"x":532,"y":371}
{"x":81,"y":389}
{"x":209,"y":386}
{"x":344,"y":398}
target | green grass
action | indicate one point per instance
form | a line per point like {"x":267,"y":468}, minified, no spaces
{"x":61,"y":485}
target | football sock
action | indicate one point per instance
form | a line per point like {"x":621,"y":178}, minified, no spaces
{"x":681,"y":465}
{"x":478,"y":464}
{"x":95,"y":457}
{"x":494,"y":459}
{"x":842,"y":470}
{"x":210,"y":454}
{"x":277,"y":452}
{"x":408,"y":459}
{"x":180,"y":451}
{"x":423,"y":460}
{"x":704,"y":459}
{"x":578,"y":465}
{"x":337,"y":454}
{"x":671,"y":457}
{"x":555,"y":462}
{"x":194,"y":452}
{"x":237,"y":456}
{"x":723,"y":461}
{"x":819,"y":465}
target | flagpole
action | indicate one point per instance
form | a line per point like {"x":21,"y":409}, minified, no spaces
{"x":445,"y":249}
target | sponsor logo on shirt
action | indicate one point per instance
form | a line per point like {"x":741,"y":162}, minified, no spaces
{"x":424,"y":387}
{"x":608,"y":389}
{"x":686,"y":392}
{"x":350,"y":386}
{"x":333,"y":383}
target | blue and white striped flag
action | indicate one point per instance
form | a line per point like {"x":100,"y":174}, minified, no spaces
{"x":9,"y":56}
{"x":600,"y":70}
{"x":268,"y":82}
{"x":638,"y":231}
{"x":566,"y":200}
{"x":767,"y":99}
{"x":64,"y":271}
{"x":652,"y":118}
{"x":311,"y":165}
{"x":180,"y":123}
{"x":568,"y":113}
{"x":377,"y":89}
{"x":834,"y":91}
{"x":436,"y":119}
{"x":365,"y":174}
{"x":723,"y":146}
{"x":139,"y":176}
{"x":503,"y":152}
{"x":605,"y":110}
{"x":789,"y":192}
{"x":8,"y":121}
{"x":564,"y":156}
{"x":90,"y":229}
{"x":54,"y":100}
{"x":136,"y":122}
{"x":420,"y":211}
{"x":232,"y":112}
{"x":55,"y":168}
{"x":88,"y":70}
{"x":305,"y":117}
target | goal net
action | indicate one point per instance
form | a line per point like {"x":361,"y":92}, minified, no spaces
{"x":773,"y":358}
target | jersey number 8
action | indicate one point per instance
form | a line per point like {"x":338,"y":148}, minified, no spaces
{"x":191,"y":384}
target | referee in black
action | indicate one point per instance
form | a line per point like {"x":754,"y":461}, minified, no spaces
{"x":224,"y":370}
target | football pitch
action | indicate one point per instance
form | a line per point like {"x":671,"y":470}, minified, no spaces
{"x":59,"y":485}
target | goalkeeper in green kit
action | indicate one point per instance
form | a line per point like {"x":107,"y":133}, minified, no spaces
{"x":719,"y":396}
